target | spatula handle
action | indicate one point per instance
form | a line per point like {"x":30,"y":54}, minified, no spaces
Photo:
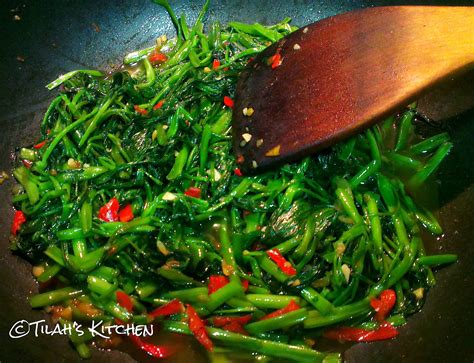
{"x":444,"y":35}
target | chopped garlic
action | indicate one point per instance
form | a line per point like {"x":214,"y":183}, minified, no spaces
{"x":165,"y":127}
{"x":162,"y":248}
{"x":207,"y":70}
{"x":274,"y":151}
{"x":248,"y":111}
{"x":346,"y":271}
{"x":259,"y":142}
{"x":160,"y":41}
{"x":419,"y":293}
{"x":305,"y":30}
{"x":73,"y":164}
{"x":214,"y":173}
{"x":295,"y":283}
{"x":254,"y":164}
{"x":217,"y":175}
{"x":247,"y":137}
{"x":170,"y":264}
{"x":296,"y":46}
{"x":37,"y":270}
{"x":339,"y":247}
{"x":227,"y":270}
{"x":169,"y":196}
{"x":3,"y":177}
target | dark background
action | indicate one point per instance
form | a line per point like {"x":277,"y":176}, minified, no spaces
{"x":53,"y":37}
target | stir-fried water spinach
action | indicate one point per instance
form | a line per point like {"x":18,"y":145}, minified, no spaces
{"x":132,"y":208}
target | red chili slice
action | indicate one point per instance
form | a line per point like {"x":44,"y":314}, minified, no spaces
{"x":346,"y":334}
{"x":216,"y":64}
{"x":158,"y":105}
{"x":281,"y":262}
{"x":229,"y":102}
{"x":216,"y":282}
{"x":18,"y":219}
{"x":245,"y":284}
{"x":173,"y":307}
{"x":109,"y":212}
{"x":292,"y":306}
{"x":40,"y":144}
{"x":126,"y":213}
{"x":384,"y":304}
{"x":220,"y":321}
{"x":385,"y":331}
{"x":124,"y":300}
{"x":157,"y":57}
{"x":157,"y":351}
{"x":276,"y":60}
{"x":198,"y":328}
{"x":235,"y":327}
{"x":238,"y":172}
{"x":193,"y":192}
{"x":140,"y":110}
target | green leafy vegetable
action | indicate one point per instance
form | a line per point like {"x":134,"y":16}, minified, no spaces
{"x":156,"y":139}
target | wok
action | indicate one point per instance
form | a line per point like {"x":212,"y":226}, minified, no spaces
{"x":52,"y":37}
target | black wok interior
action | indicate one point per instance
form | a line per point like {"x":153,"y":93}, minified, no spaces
{"x":56,"y":36}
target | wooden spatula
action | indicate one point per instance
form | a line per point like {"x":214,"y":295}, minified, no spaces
{"x":335,"y":77}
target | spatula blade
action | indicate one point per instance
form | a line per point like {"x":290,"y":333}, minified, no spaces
{"x":341,"y":75}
